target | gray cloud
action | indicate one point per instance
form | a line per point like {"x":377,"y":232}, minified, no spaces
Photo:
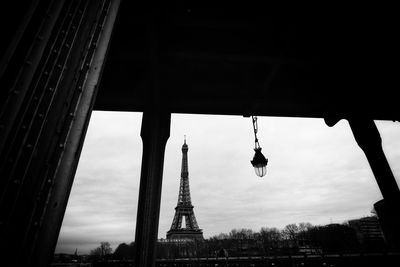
{"x":316,"y":174}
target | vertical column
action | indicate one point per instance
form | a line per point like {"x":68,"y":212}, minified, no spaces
{"x":48,"y":233}
{"x":388,"y":209}
{"x":54,"y":72}
{"x":154,"y":133}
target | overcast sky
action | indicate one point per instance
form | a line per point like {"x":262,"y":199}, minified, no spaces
{"x":315,"y":174}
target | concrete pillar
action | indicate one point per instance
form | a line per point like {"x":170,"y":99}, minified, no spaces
{"x":388,"y":209}
{"x":154,"y":133}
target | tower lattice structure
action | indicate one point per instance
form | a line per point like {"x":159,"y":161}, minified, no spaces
{"x":184,"y":208}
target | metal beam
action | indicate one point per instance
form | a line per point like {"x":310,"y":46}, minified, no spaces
{"x":369,"y":140}
{"x":64,"y":177}
{"x":155,"y":133}
{"x":45,"y":136}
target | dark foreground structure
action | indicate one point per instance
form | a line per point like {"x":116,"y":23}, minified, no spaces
{"x":343,"y":260}
{"x":62,"y":59}
{"x":350,"y":260}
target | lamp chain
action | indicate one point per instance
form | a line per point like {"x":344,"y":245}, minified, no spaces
{"x":255,"y":127}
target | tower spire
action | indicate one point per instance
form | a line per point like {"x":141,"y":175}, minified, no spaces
{"x":184,"y":208}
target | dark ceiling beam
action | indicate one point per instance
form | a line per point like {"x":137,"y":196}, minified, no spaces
{"x":234,"y":61}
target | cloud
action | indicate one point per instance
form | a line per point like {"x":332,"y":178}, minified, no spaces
{"x":316,"y":174}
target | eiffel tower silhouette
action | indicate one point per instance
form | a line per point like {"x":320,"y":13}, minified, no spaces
{"x":184,"y":209}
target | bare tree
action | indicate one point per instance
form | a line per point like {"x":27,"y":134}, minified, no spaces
{"x":270,"y":238}
{"x":304,"y":226}
{"x":290,"y":232}
{"x":241,"y":234}
{"x":221,"y":236}
{"x":102,"y":251}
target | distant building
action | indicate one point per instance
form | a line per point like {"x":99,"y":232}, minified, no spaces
{"x":334,"y":238}
{"x":368,"y":231}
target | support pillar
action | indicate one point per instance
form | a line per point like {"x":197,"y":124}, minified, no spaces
{"x":48,"y":233}
{"x":54,"y":70}
{"x":388,"y":209}
{"x":154,"y":133}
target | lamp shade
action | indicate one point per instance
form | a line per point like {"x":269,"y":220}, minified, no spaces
{"x":259,"y":163}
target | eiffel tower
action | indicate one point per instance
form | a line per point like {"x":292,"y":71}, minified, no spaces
{"x":184,"y":209}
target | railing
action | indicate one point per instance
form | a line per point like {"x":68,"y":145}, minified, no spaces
{"x":342,"y":260}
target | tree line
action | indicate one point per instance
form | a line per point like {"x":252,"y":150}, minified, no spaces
{"x":302,"y":238}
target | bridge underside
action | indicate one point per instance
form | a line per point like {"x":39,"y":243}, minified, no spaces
{"x":62,"y":59}
{"x":241,"y":61}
